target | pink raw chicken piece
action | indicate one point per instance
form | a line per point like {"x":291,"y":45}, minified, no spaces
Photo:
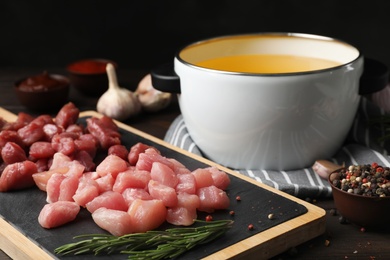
{"x":60,"y":160}
{"x":221,"y":179}
{"x":109,"y":200}
{"x":131,"y":194}
{"x":113,"y":165}
{"x":41,"y":178}
{"x":147,"y":214}
{"x":63,"y":186}
{"x":178,"y":167}
{"x":185,"y":213}
{"x":162,"y":192}
{"x":75,"y":168}
{"x":58,"y":213}
{"x":186,"y":183}
{"x":86,"y":191}
{"x":68,"y":187}
{"x":203,"y":178}
{"x":190,"y":201}
{"x":91,"y":175}
{"x":181,"y":216}
{"x":151,"y":155}
{"x":212,"y":198}
{"x":132,"y":178}
{"x":117,"y":222}
{"x":105,"y":183}
{"x":53,"y":187}
{"x":163,"y":174}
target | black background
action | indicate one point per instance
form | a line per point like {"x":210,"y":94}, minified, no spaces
{"x":145,"y":33}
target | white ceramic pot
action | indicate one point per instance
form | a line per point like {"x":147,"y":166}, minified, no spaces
{"x":278,"y":121}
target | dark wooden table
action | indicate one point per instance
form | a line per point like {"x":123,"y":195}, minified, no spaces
{"x":340,"y":241}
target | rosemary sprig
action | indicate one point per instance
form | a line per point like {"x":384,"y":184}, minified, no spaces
{"x":149,"y":245}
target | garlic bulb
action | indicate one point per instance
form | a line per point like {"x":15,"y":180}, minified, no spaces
{"x":117,"y":103}
{"x":152,"y":100}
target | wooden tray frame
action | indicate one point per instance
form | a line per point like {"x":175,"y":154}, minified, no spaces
{"x":263,"y":245}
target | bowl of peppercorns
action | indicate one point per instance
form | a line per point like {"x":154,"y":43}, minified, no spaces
{"x":361,"y":194}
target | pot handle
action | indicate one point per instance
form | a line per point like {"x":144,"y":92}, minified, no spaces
{"x":375,"y":77}
{"x":165,"y":79}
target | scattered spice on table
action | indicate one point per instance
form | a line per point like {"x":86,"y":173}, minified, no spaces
{"x":251,"y":227}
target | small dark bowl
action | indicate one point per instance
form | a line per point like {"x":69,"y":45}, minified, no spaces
{"x":44,"y":100}
{"x":89,"y":76}
{"x":367,"y":212}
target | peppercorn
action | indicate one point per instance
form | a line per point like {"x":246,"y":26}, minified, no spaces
{"x":366,"y":180}
{"x":333,"y":212}
{"x":343,"y":220}
{"x":379,"y":191}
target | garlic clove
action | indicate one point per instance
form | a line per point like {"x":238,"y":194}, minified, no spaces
{"x":117,"y":103}
{"x":324,"y":168}
{"x":151,"y":99}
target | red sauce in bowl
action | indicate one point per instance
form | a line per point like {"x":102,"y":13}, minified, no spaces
{"x":89,"y":66}
{"x":41,"y":83}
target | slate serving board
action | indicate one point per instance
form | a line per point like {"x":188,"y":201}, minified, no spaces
{"x":294,"y":222}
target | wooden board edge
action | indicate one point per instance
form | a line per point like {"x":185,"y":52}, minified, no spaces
{"x":273,"y":243}
{"x":18,"y":246}
{"x":7,"y":115}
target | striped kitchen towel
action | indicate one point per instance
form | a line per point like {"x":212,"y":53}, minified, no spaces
{"x":361,"y":147}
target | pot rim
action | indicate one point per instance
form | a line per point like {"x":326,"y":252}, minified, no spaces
{"x":282,"y":34}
